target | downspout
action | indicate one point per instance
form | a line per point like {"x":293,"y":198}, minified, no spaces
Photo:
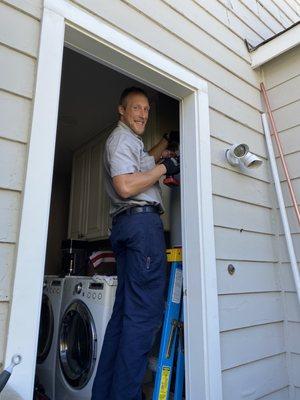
{"x":283,"y":213}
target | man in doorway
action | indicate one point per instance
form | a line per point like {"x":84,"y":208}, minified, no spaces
{"x":137,"y":239}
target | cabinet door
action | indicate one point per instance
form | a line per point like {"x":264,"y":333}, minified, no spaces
{"x":97,"y":209}
{"x":78,"y":190}
{"x":95,"y":187}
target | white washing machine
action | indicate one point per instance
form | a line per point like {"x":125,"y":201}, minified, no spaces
{"x":48,"y":333}
{"x":86,"y":309}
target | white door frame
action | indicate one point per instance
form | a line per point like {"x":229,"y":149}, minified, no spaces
{"x":103,"y":42}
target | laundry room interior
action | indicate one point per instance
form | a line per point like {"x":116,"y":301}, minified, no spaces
{"x":80,"y":270}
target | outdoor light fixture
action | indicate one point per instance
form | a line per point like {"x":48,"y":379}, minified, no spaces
{"x":239,"y":154}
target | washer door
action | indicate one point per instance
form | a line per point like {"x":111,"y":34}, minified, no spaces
{"x":77,"y":344}
{"x":46,"y":329}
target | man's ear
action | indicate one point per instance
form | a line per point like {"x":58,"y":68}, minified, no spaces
{"x":121,"y":110}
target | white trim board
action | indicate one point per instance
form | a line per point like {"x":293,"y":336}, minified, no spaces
{"x":63,"y":21}
{"x":275,"y":47}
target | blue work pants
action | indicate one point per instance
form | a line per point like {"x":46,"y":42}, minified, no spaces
{"x":139,"y":246}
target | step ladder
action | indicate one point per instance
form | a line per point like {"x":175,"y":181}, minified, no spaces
{"x":172,"y":335}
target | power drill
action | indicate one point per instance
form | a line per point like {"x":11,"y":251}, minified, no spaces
{"x":170,"y":180}
{"x":171,"y":151}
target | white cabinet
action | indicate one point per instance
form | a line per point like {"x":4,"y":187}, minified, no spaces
{"x":89,"y":204}
{"x":97,"y":205}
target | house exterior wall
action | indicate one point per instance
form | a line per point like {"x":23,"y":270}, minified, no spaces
{"x":207,"y":38}
{"x":282,"y":80}
{"x":19,"y":38}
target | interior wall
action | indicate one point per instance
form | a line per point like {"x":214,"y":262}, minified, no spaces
{"x":58,"y":222}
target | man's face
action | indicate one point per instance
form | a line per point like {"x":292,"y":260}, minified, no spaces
{"x":135,"y":112}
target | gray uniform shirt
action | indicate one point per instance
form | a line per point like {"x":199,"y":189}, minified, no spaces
{"x":124,"y":154}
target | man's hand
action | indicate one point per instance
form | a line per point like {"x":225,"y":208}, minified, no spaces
{"x":172,"y":165}
{"x":172,"y":137}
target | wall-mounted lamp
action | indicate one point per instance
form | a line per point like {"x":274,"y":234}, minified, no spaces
{"x":239,"y":154}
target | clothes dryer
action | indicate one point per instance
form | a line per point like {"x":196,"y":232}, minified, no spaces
{"x":48,"y":333}
{"x":86,"y":308}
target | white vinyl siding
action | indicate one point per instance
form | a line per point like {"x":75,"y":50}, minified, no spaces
{"x":206,"y":37}
{"x":19,"y":37}
{"x":251,"y":309}
{"x":282,"y":79}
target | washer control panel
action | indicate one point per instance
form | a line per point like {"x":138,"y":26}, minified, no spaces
{"x":52,"y":286}
{"x":89,"y":290}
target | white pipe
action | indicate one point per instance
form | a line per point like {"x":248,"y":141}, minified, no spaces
{"x":283,"y":214}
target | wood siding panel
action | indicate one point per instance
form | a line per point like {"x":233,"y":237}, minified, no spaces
{"x":6,"y":262}
{"x":283,"y":248}
{"x":290,"y":140}
{"x":235,"y":245}
{"x":289,"y":12}
{"x":244,"y":310}
{"x":286,"y":93}
{"x":238,"y":9}
{"x":282,"y":394}
{"x":293,"y":309}
{"x":281,"y":69}
{"x":242,"y":346}
{"x":26,"y":37}
{"x":286,"y":277}
{"x":17,"y":72}
{"x":232,"y":131}
{"x":211,"y":25}
{"x":15,"y":117}
{"x":275,"y":11}
{"x":12,"y":164}
{"x":293,"y":221}
{"x":296,"y":368}
{"x":287,"y":117}
{"x":293,"y":330}
{"x":264,"y":15}
{"x":284,"y":98}
{"x":196,"y":37}
{"x":10,"y":204}
{"x":235,"y":23}
{"x":3,"y":329}
{"x":240,"y":187}
{"x":234,"y":108}
{"x":165,"y":42}
{"x":230,"y":213}
{"x":286,"y":193}
{"x":293,"y":163}
{"x":248,"y":277}
{"x":254,"y":380}
{"x":31,"y":7}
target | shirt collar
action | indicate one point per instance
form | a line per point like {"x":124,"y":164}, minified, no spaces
{"x":120,"y":123}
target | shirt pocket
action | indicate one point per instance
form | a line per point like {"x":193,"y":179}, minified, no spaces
{"x":147,"y":163}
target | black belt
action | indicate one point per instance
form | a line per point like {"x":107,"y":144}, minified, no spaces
{"x":139,"y":209}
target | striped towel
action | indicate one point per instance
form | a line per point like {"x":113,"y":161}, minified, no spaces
{"x":99,"y":257}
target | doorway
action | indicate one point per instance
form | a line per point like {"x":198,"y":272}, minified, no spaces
{"x":123,"y":54}
{"x":78,"y":228}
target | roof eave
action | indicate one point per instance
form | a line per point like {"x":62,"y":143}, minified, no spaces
{"x":278,"y":45}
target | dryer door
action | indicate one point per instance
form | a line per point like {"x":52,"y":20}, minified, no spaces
{"x":46,"y":329}
{"x":77,"y":344}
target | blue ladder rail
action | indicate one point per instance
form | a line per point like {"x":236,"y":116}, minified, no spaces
{"x":172,"y":326}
